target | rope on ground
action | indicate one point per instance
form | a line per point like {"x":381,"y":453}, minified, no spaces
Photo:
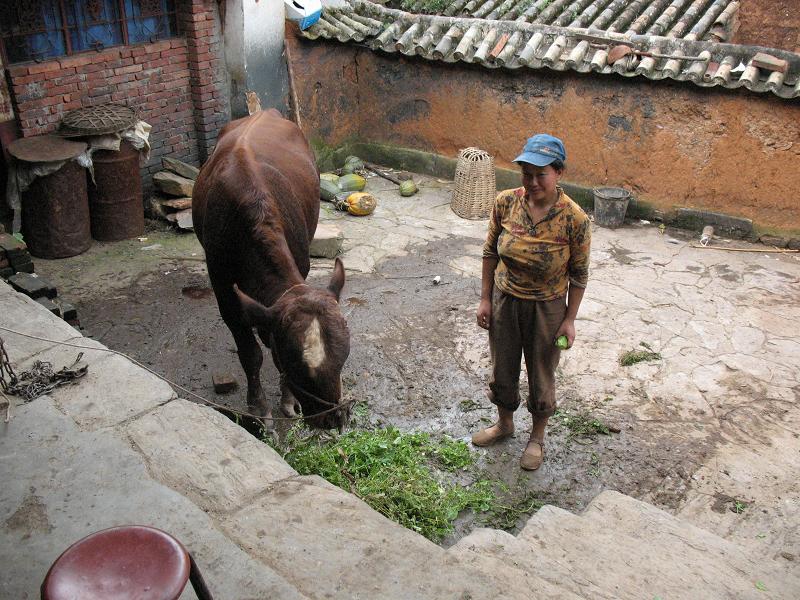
{"x":731,"y":249}
{"x":5,"y":364}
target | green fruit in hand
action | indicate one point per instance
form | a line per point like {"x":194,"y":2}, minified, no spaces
{"x":562,"y":343}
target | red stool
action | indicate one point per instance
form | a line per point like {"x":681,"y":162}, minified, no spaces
{"x":124,"y":563}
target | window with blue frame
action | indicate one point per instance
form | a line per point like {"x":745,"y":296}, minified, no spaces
{"x":42,"y":29}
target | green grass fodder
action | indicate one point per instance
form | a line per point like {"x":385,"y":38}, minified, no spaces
{"x":401,"y":475}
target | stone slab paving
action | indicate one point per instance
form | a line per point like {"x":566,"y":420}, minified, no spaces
{"x":113,"y":391}
{"x":727,"y":325}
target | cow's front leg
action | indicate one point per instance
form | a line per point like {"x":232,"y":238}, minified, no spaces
{"x":289,"y":404}
{"x":252,"y":358}
{"x":250,"y":355}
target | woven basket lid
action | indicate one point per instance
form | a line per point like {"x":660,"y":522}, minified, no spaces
{"x":97,"y":120}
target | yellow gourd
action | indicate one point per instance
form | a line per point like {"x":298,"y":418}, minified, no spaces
{"x":360,"y":204}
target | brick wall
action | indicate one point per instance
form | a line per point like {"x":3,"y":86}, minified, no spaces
{"x":178,"y":86}
{"x":209,"y":93}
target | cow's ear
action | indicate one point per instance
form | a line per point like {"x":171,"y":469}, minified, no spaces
{"x":337,"y":279}
{"x":255,"y":313}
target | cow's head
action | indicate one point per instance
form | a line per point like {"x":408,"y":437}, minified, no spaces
{"x":310,"y":343}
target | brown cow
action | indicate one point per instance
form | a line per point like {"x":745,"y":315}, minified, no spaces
{"x":255,"y":210}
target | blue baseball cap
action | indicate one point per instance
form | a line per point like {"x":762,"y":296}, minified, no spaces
{"x":541,"y":150}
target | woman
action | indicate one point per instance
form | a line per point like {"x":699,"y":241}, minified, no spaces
{"x":535,"y":269}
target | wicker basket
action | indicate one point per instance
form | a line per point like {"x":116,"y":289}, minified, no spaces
{"x":475,"y":190}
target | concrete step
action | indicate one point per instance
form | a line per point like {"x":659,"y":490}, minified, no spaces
{"x":638,"y":564}
{"x":638,"y":519}
{"x":498,"y":553}
{"x":543,"y":559}
{"x":329,"y":544}
{"x":636,"y":552}
{"x":22,"y":314}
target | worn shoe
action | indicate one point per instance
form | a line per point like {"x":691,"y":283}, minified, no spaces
{"x":533,"y":456}
{"x":490,"y":435}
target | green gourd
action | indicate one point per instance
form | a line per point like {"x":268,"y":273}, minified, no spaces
{"x":353,"y":164}
{"x":328,"y":190}
{"x":352,"y":183}
{"x":408,"y":188}
{"x":332,"y":177}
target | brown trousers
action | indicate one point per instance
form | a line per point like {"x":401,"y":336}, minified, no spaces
{"x":524,"y":327}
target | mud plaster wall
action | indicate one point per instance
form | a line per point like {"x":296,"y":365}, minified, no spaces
{"x":673,"y":145}
{"x":771,"y":23}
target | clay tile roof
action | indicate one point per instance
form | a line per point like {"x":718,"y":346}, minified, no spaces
{"x":683,"y":40}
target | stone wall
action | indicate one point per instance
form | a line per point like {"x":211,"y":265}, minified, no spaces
{"x":177,"y":85}
{"x":674,"y":145}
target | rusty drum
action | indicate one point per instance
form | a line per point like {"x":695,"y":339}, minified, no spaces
{"x":55,"y":207}
{"x":115,"y":198}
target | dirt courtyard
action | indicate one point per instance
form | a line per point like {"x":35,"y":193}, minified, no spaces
{"x":710,"y":430}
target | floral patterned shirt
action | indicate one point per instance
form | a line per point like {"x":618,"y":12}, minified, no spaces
{"x":536,"y":261}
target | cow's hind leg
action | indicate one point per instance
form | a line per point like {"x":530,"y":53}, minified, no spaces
{"x":250,"y":355}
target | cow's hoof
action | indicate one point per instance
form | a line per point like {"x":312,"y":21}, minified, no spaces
{"x":291,"y":408}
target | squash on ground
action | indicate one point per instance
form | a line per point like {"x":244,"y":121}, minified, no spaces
{"x":352,"y":183}
{"x":408,"y":188}
{"x":360,"y":204}
{"x":353,"y":164}
{"x":328,"y":190}
{"x":333,"y":177}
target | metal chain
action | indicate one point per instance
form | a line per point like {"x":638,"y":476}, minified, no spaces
{"x":7,"y":375}
{"x":40,"y":379}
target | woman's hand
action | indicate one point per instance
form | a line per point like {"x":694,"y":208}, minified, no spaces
{"x":484,"y":313}
{"x":567,"y":328}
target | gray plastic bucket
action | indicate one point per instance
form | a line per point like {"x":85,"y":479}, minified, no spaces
{"x":610,"y":205}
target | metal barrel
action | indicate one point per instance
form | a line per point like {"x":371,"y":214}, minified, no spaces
{"x":55,"y":213}
{"x":610,"y":205}
{"x":115,"y":199}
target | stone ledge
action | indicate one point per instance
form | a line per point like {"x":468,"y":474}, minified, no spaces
{"x":199,"y":452}
{"x":28,"y":316}
{"x":61,"y":483}
{"x":418,"y":161}
{"x":113,"y":391}
{"x":695,"y":219}
{"x":362,"y":553}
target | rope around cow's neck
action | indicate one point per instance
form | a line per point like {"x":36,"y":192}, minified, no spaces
{"x":179,"y":387}
{"x":290,"y":289}
{"x":290,"y":382}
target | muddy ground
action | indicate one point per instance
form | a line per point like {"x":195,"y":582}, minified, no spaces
{"x":418,"y":361}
